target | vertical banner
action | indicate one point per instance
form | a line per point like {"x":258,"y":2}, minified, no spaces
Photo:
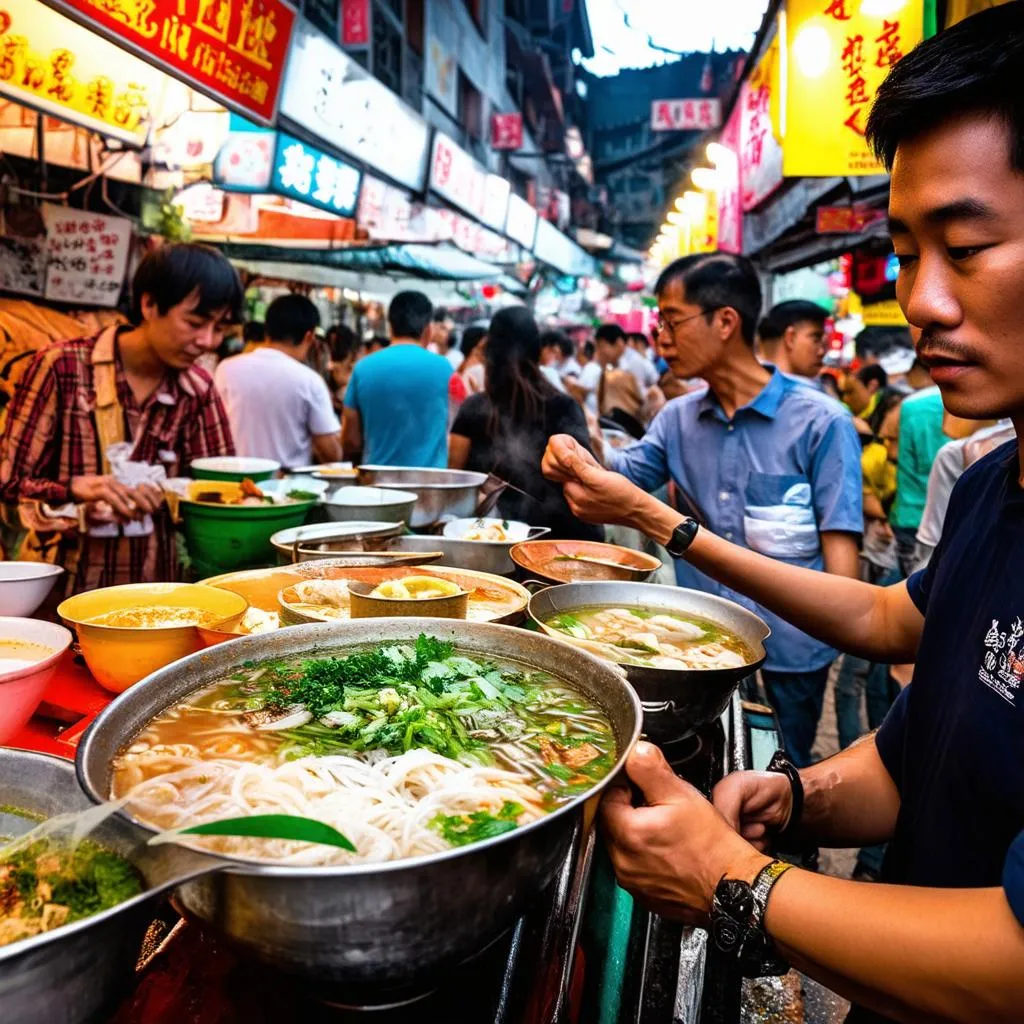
{"x":727,"y":169}
{"x":838,"y":52}
{"x":760,"y":150}
{"x":355,"y":22}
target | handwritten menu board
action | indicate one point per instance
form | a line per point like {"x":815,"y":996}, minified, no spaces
{"x":86,"y":256}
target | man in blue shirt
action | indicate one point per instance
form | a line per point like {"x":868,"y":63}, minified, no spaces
{"x":770,"y":463}
{"x":396,"y":405}
{"x":943,"y":780}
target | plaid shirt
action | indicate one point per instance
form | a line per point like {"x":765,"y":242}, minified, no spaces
{"x":51,"y":436}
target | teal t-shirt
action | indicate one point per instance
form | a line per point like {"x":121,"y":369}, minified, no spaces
{"x":401,"y":395}
{"x":921,"y":437}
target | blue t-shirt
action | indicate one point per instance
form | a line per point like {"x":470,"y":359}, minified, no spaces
{"x":401,"y":395}
{"x":954,"y":740}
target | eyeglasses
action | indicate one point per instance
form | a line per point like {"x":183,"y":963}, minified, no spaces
{"x":671,"y":327}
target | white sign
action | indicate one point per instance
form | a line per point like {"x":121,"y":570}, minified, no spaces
{"x":685,"y":115}
{"x":329,"y":94}
{"x":23,"y":265}
{"x":86,"y":255}
{"x":496,"y":193}
{"x":561,"y":252}
{"x":385,"y":212}
{"x":521,"y":225}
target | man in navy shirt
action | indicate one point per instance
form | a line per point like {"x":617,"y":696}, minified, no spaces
{"x":943,"y":779}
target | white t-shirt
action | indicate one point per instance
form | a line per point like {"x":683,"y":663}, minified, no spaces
{"x":642,"y":368}
{"x":552,"y":375}
{"x":589,"y":379}
{"x":569,"y":367}
{"x":275,"y":405}
{"x":455,"y":357}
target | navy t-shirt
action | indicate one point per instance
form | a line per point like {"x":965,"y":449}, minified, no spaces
{"x":954,"y":740}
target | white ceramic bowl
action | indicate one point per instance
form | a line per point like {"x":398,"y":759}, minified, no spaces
{"x":514,"y":530}
{"x":24,"y":586}
{"x":370,"y":504}
{"x":21,"y":690}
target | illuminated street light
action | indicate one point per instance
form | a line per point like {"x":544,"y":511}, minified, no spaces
{"x":704,"y":178}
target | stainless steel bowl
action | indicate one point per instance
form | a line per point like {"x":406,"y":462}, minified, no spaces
{"x":478,"y":555}
{"x":370,"y":932}
{"x":441,"y":493}
{"x":676,"y":702}
{"x":71,"y":973}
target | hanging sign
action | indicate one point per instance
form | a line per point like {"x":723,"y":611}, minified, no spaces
{"x":59,"y":67}
{"x":305,"y":173}
{"x":86,"y":256}
{"x":332,"y":97}
{"x":685,"y":115}
{"x":232,"y":50}
{"x":507,"y":131}
{"x":456,"y":176}
{"x":727,"y":174}
{"x":760,"y":151}
{"x":355,"y":22}
{"x":845,"y":220}
{"x":838,"y":53}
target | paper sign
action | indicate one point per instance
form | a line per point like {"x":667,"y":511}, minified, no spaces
{"x":23,"y":265}
{"x":685,"y":115}
{"x":86,"y":256}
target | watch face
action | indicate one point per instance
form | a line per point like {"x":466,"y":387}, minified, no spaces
{"x":726,"y":933}
{"x":731,"y":914}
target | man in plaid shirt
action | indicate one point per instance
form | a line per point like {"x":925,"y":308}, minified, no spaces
{"x":136,"y":383}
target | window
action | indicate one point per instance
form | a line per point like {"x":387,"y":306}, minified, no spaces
{"x":471,"y":108}
{"x":478,"y":12}
{"x":387,"y":53}
{"x":414,"y":26}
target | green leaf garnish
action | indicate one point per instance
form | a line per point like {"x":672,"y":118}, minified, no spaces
{"x":264,"y":826}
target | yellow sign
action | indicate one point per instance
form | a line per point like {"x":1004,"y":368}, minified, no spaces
{"x":765,"y":80}
{"x":884,"y":314}
{"x":837,"y":54}
{"x":62,"y":69}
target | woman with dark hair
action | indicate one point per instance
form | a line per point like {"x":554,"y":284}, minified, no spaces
{"x":505,"y":428}
{"x":473,"y":347}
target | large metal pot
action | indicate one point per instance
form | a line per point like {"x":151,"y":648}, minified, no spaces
{"x":676,"y":702}
{"x":378,"y":931}
{"x":440,"y":493}
{"x":478,"y":555}
{"x":71,"y":973}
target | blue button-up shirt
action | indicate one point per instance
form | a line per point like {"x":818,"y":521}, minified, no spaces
{"x":784,"y":468}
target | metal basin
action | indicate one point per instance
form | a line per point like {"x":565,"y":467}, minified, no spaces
{"x":478,"y":555}
{"x":378,"y":931}
{"x":70,"y":974}
{"x":440,"y":493}
{"x":676,"y":702}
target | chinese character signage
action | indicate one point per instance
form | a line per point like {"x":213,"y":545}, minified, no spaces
{"x":694,"y":115}
{"x":332,"y":97}
{"x":837,"y":55}
{"x":521,"y":224}
{"x":355,"y":22}
{"x":457,"y":177}
{"x":232,"y":50}
{"x":304,"y":173}
{"x":506,"y":131}
{"x":86,"y":256}
{"x":845,"y":220}
{"x":760,"y":150}
{"x":61,"y":68}
{"x":727,"y":192}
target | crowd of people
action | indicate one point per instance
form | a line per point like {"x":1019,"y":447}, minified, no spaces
{"x":868,"y":515}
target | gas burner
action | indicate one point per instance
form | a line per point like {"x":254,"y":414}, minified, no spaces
{"x":679,"y":752}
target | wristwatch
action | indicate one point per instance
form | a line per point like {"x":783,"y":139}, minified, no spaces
{"x":782,"y":765}
{"x":682,"y":537}
{"x":737,"y":922}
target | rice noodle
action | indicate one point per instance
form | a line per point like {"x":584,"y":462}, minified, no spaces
{"x":384,"y":805}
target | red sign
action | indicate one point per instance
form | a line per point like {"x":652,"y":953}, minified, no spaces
{"x":233,"y":50}
{"x":845,"y":220}
{"x":506,"y":131}
{"x":685,"y":115}
{"x":355,"y":22}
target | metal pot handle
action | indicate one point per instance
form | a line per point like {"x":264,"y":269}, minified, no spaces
{"x":535,"y":586}
{"x":537,"y":531}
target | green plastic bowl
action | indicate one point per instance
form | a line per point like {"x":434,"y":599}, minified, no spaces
{"x":235,"y":468}
{"x":229,"y":538}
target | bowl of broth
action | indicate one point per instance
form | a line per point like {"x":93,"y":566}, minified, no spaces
{"x":29,"y":652}
{"x":683,"y":651}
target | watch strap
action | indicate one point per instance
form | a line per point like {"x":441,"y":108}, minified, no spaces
{"x":682,"y":537}
{"x":782,"y":765}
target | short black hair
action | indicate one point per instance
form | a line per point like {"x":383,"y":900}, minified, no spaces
{"x":874,"y":372}
{"x":253,"y":331}
{"x":440,"y":315}
{"x":381,"y":340}
{"x":638,"y":336}
{"x":173,"y":273}
{"x":588,"y":349}
{"x":610,"y":333}
{"x":290,"y":318}
{"x":409,"y":314}
{"x":715,"y":280}
{"x":471,"y":337}
{"x":555,"y":339}
{"x":342,"y":341}
{"x":972,"y":68}
{"x":788,"y":314}
{"x":878,"y":341}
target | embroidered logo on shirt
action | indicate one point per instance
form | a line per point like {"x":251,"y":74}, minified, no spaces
{"x":1003,"y":664}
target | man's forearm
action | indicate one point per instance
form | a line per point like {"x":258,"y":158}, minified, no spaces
{"x":910,"y":953}
{"x":846,"y":613}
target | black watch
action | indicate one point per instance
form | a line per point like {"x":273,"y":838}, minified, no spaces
{"x":737,"y":922}
{"x":682,"y":537}
{"x":782,"y":765}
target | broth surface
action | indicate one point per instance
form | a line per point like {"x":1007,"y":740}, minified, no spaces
{"x":18,"y":654}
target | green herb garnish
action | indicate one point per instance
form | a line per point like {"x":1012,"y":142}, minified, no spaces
{"x":463,"y":829}
{"x":264,"y":826}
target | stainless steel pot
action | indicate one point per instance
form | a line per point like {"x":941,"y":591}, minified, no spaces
{"x":676,"y":702}
{"x":441,"y":493}
{"x":71,"y":973}
{"x":478,"y":555}
{"x":375,"y":931}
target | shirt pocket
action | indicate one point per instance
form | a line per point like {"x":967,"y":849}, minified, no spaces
{"x":779,"y":518}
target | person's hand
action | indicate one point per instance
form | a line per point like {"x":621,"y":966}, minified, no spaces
{"x":673,"y":852}
{"x":755,"y":804}
{"x":594,"y":494}
{"x":99,"y":493}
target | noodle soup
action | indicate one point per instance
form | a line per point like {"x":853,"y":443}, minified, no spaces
{"x":407,"y":749}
